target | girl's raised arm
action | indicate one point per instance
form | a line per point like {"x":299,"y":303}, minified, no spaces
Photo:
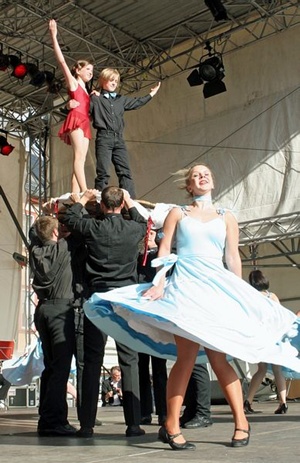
{"x":69,"y":78}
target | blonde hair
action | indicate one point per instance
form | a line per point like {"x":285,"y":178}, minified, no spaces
{"x":79,"y":65}
{"x":106,"y":75}
{"x":185,"y":177}
{"x":45,"y":226}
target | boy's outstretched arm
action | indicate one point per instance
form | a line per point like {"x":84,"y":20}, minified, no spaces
{"x":155,"y":89}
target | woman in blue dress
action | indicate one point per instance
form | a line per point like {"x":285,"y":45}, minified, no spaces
{"x":200,"y":304}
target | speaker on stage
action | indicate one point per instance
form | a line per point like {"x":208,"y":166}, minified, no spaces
{"x":22,"y":396}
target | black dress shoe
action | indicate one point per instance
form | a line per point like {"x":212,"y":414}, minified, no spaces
{"x":184,"y":419}
{"x":241,"y":442}
{"x":85,"y":432}
{"x":281,"y":410}
{"x":59,"y":430}
{"x":146,"y":419}
{"x":198,"y":422}
{"x":161,"y":420}
{"x":167,"y":438}
{"x":134,"y":431}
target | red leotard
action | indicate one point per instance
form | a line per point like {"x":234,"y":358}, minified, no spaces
{"x":77,"y":117}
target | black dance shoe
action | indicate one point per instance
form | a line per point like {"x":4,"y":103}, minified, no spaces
{"x":167,"y":438}
{"x":281,"y":410}
{"x":247,"y":407}
{"x":241,"y":442}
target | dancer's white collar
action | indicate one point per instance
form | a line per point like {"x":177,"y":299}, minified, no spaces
{"x":203,"y":198}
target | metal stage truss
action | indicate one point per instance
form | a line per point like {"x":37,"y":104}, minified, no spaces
{"x":280,"y":233}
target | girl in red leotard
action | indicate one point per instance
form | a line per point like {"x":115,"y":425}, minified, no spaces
{"x":76,"y":130}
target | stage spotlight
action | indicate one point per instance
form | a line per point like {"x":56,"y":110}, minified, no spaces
{"x":19,"y":69}
{"x":13,"y":60}
{"x":209,"y":72}
{"x":38,"y":77}
{"x":55,"y":86}
{"x":32,"y":69}
{"x":217,"y":9}
{"x":49,"y":77}
{"x":4,"y":62}
{"x":211,"y":69}
{"x":5,"y":147}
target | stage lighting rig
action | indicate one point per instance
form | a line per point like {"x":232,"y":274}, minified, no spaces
{"x":210,"y":72}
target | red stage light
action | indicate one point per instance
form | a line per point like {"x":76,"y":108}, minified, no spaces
{"x":20,"y":71}
{"x":5,"y":147}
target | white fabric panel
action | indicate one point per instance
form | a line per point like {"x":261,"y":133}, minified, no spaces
{"x":11,"y":180}
{"x":249,"y":135}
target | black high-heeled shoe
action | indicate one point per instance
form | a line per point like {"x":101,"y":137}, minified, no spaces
{"x":167,"y":438}
{"x":281,"y":410}
{"x":241,"y":442}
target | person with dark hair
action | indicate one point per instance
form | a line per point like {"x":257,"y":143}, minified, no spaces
{"x":50,"y":263}
{"x":201,"y":303}
{"x":260,"y":282}
{"x":112,"y":250}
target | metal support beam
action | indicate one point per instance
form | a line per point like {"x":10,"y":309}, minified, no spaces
{"x":14,"y":218}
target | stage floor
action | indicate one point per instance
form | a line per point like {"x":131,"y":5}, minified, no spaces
{"x":274,"y":439}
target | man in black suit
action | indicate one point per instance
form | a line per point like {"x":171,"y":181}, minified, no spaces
{"x":112,"y":250}
{"x":197,"y":401}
